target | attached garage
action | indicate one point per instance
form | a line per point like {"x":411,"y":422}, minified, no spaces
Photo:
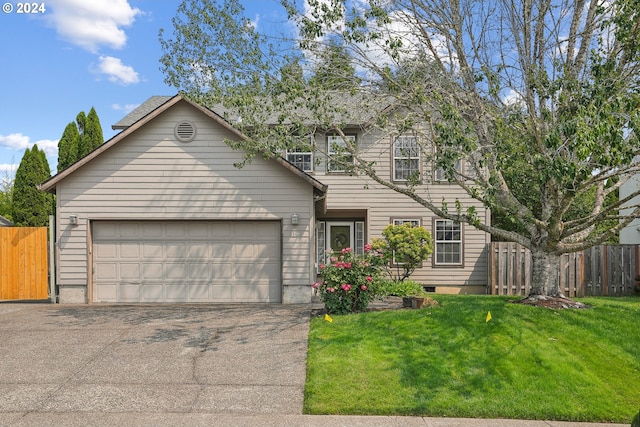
{"x":186,"y":261}
{"x":155,"y":216}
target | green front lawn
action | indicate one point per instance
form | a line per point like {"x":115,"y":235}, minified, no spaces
{"x":527,"y":362}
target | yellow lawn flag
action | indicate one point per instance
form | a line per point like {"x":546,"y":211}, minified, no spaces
{"x":328,"y":318}
{"x":488,"y":316}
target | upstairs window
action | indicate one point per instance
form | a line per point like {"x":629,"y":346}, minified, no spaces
{"x":301,"y":159}
{"x":339,"y":157}
{"x":406,"y":158}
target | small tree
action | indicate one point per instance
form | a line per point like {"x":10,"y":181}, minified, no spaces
{"x":404,"y":247}
{"x":6,"y":192}
{"x":32,"y":207}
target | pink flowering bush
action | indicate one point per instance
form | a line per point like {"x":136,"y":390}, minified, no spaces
{"x":348,"y":282}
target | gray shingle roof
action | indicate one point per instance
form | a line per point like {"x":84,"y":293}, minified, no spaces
{"x":140,"y":111}
{"x":357,"y":109}
{"x":4,"y":222}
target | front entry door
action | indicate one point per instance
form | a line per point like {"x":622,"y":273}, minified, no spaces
{"x":339,"y":236}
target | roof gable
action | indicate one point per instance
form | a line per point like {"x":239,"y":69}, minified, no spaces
{"x":137,"y":119}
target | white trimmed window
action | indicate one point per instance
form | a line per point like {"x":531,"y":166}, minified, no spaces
{"x":336,"y":148}
{"x":301,"y":159}
{"x":448,"y":243}
{"x":406,"y":157}
{"x":401,"y":221}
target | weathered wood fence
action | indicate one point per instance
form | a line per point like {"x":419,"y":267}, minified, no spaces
{"x":599,"y":271}
{"x":23,"y":263}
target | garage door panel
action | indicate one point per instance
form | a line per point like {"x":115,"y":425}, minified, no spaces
{"x":108,"y":292}
{"x":175,"y":261}
{"x":176,"y":292}
{"x":176,"y":230}
{"x":152,"y":293}
{"x":129,"y":250}
{"x":198,"y":271}
{"x":152,"y":270}
{"x":130,"y":271}
{"x":221,"y":271}
{"x":198,"y":292}
{"x":107,"y":251}
{"x":107,"y":271}
{"x":131,"y":230}
{"x":175,"y":251}
{"x":152,"y":250}
{"x":220,"y":250}
{"x":174,"y":270}
{"x":198,"y":251}
{"x":128,"y":292}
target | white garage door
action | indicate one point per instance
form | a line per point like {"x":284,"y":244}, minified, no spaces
{"x":186,"y":261}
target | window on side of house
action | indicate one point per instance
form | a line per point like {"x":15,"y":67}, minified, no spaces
{"x":415,"y":222}
{"x":336,"y":147}
{"x":301,"y":159}
{"x":448,"y":243}
{"x":406,"y":158}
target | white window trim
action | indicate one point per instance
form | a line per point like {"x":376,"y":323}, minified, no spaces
{"x":338,"y":140}
{"x":301,"y":153}
{"x":405,"y":157}
{"x":460,"y":243}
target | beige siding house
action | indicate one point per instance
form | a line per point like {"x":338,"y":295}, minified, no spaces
{"x":160,"y":214}
{"x":358,"y":209}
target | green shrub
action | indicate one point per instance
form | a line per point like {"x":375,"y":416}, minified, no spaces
{"x":406,"y":288}
{"x":636,"y":420}
{"x":404,"y":248}
{"x":349,"y":281}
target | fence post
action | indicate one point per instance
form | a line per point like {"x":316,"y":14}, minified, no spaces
{"x":52,"y":265}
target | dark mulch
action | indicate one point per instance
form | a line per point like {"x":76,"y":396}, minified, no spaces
{"x":556,"y":303}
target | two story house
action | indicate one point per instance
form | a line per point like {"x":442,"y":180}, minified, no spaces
{"x":159,"y":213}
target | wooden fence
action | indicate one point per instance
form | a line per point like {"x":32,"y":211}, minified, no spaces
{"x":23,"y":263}
{"x":599,"y":271}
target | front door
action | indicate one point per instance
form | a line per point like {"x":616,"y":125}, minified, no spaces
{"x":339,"y":236}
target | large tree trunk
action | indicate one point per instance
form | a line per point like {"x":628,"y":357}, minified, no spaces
{"x":546,"y":274}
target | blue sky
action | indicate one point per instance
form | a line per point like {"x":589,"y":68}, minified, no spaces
{"x":80,"y":54}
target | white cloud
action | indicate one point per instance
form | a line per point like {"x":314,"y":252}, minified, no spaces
{"x":512,"y":98}
{"x":126,"y":108}
{"x":8,"y":169}
{"x":20,"y":142}
{"x":91,"y":24}
{"x":116,"y":71}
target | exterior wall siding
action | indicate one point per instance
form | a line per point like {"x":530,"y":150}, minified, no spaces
{"x":382,"y":204}
{"x":151,"y":175}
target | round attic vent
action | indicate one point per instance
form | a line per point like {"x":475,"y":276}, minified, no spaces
{"x":185,"y":131}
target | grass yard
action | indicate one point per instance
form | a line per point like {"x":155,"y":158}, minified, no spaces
{"x":527,"y":362}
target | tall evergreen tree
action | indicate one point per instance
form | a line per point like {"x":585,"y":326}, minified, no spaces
{"x":79,"y":138}
{"x":32,"y":207}
{"x":68,"y":146}
{"x":92,"y":137}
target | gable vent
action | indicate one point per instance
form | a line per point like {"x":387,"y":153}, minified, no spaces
{"x":185,"y":131}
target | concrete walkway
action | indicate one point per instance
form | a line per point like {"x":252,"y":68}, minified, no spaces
{"x":168,"y":365}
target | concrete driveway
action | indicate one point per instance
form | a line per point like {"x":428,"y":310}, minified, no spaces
{"x":199,"y":359}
